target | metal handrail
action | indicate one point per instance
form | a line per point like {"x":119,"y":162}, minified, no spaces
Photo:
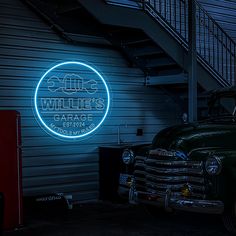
{"x":215,"y":48}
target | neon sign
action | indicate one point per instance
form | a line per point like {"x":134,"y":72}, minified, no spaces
{"x":71,"y":100}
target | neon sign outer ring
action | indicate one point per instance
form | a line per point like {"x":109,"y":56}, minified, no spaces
{"x":36,"y":95}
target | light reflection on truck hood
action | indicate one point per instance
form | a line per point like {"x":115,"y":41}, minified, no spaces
{"x":196,"y":135}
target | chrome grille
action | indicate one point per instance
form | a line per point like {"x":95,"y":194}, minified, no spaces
{"x":157,"y":175}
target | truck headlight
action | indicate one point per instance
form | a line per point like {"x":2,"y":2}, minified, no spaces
{"x":213,"y":165}
{"x":128,"y":156}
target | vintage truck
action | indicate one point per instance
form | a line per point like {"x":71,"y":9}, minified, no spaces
{"x":189,"y":167}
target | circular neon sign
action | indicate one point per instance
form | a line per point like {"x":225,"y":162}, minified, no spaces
{"x":71,"y":100}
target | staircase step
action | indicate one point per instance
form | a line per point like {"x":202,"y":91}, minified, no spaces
{"x":167,"y":79}
{"x":127,"y":3}
{"x":146,"y":51}
{"x":138,"y":41}
{"x":159,"y":62}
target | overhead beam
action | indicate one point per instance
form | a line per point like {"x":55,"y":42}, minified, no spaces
{"x":137,"y":19}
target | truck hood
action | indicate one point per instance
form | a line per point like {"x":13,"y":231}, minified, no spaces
{"x":196,"y":135}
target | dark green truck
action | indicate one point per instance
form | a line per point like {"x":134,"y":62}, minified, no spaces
{"x":190,"y":167}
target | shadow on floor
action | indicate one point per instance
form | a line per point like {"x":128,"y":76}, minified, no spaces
{"x":106,"y":219}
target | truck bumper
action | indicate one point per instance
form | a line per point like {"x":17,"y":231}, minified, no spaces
{"x":183,"y":204}
{"x":125,"y":185}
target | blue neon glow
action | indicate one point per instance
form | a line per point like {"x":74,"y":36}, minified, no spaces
{"x":36,"y":104}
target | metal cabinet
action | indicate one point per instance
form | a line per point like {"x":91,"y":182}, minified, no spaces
{"x":10,"y":168}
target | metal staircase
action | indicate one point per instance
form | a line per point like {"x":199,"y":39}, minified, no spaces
{"x":161,"y":47}
{"x":215,"y":48}
{"x":153,"y":35}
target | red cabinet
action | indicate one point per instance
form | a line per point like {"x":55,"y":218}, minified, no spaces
{"x":10,"y":168}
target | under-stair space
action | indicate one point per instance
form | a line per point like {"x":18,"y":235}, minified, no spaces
{"x":142,"y":51}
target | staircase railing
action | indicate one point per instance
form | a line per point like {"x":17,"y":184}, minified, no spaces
{"x":215,"y":48}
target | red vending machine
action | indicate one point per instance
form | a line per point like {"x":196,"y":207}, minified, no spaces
{"x":10,"y":168}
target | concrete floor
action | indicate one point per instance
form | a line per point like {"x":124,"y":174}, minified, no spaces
{"x":106,"y":219}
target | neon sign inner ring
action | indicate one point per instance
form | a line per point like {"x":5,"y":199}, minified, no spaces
{"x":88,"y":87}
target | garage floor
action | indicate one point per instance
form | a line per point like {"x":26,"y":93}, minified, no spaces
{"x":106,"y":219}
